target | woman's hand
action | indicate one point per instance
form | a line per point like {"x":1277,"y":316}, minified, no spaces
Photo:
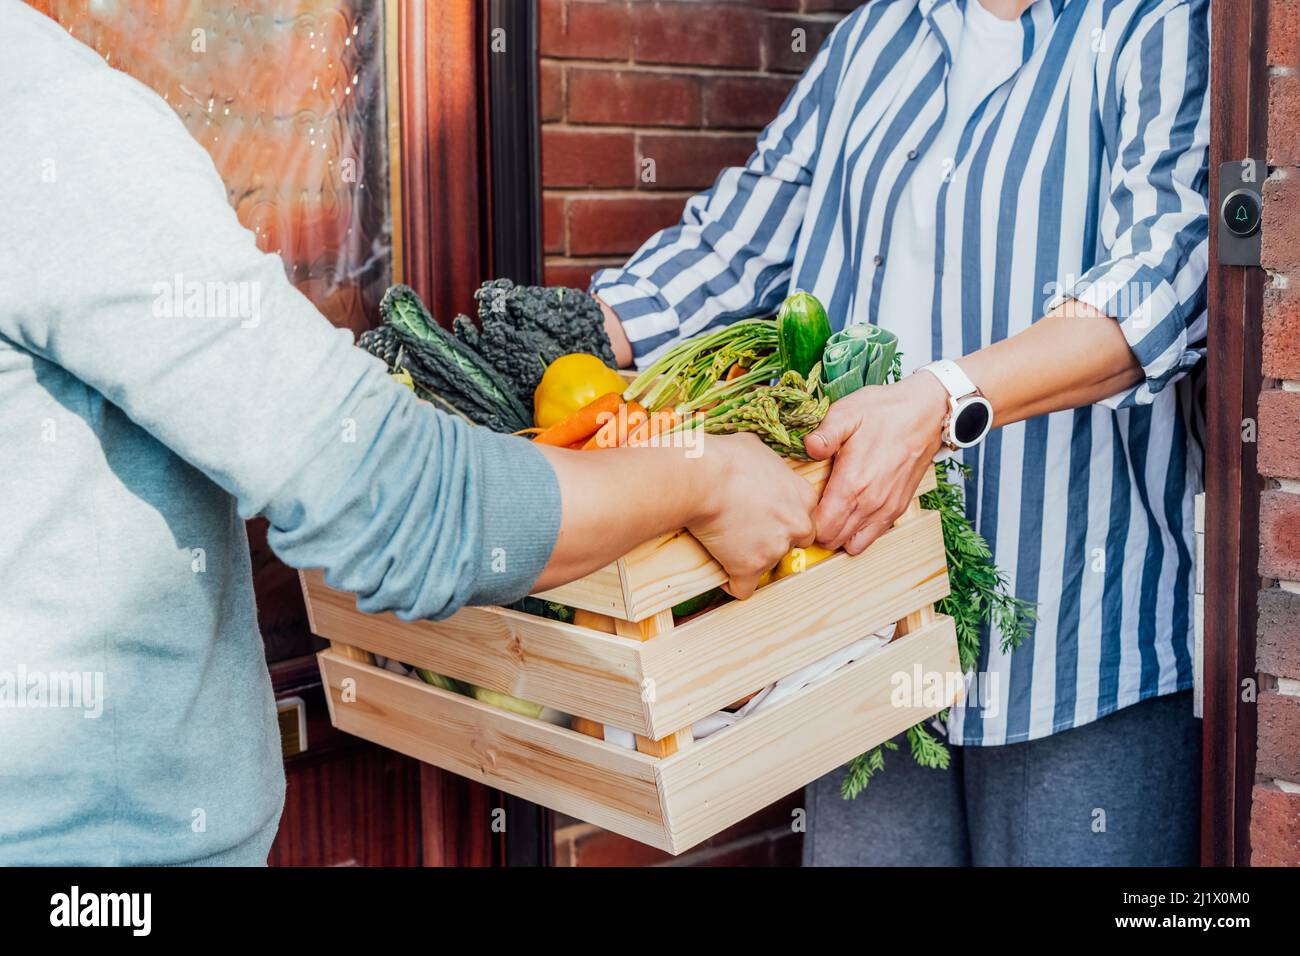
{"x":618,"y":339}
{"x":736,"y":495}
{"x":756,"y":510}
{"x":883,"y":438}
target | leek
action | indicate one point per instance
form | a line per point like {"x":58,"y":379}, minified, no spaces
{"x":857,"y":356}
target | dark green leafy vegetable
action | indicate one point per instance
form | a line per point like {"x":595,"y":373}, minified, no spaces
{"x":444,"y":370}
{"x":385,"y":343}
{"x":403,"y":309}
{"x":436,"y":369}
{"x":463,"y":328}
{"x":548,"y":609}
{"x":522,"y":329}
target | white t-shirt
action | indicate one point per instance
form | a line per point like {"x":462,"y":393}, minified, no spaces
{"x":986,"y":55}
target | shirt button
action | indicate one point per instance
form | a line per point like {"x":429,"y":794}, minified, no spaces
{"x":879,"y":260}
{"x":911,"y":154}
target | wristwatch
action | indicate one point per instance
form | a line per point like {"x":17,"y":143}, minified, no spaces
{"x":970,"y":416}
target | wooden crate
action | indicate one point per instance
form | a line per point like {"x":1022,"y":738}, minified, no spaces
{"x":655,"y":679}
{"x":665,"y":571}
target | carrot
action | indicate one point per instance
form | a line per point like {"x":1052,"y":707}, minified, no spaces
{"x":659,"y":423}
{"x":735,"y":372}
{"x":577,"y":445}
{"x":617,"y":427}
{"x":582,"y":424}
{"x":595,"y":621}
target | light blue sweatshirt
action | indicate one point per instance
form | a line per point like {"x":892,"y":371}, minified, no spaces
{"x":136,"y":717}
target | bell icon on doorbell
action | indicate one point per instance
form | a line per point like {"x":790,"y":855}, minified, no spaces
{"x":1240,"y":213}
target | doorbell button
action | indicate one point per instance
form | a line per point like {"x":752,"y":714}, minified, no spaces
{"x":1241,"y":212}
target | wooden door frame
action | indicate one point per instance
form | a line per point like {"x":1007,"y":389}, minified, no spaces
{"x":466,"y":174}
{"x":515,"y":241}
{"x":1238,"y":119}
{"x":439,"y":225}
{"x":441,"y":152}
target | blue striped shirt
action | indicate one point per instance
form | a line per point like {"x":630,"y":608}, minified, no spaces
{"x":1082,"y":176}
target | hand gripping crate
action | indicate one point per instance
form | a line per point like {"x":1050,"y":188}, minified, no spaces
{"x":655,"y":679}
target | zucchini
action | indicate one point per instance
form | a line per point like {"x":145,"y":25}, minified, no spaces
{"x":439,"y":681}
{"x":698,"y":603}
{"x":802,"y":331}
{"x":513,"y":704}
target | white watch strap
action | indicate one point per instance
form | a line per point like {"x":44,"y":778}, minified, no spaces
{"x":952,"y":377}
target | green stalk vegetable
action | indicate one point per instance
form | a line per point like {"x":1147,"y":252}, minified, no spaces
{"x":781,"y":414}
{"x":693,"y":373}
{"x":859,"y":355}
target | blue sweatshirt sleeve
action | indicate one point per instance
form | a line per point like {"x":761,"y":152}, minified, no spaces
{"x":146,"y":287}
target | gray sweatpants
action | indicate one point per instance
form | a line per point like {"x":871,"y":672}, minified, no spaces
{"x":1121,"y":791}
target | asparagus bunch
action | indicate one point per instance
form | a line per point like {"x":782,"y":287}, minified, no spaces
{"x":781,"y":414}
{"x":693,"y":374}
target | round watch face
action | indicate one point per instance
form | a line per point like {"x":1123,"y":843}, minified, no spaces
{"x":971,"y":422}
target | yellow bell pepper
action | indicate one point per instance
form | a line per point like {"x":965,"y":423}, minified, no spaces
{"x":800,"y":560}
{"x":569,"y":383}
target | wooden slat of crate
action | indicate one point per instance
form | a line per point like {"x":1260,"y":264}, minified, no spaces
{"x":574,"y":669}
{"x":706,"y":663}
{"x":601,"y":591}
{"x":736,"y":772}
{"x":672,"y":803}
{"x":667,"y":570}
{"x":584,"y":777}
{"x":659,"y":686}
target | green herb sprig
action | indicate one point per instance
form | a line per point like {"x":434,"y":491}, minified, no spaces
{"x":979,"y":595}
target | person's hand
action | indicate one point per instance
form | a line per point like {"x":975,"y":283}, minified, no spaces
{"x":756,"y":510}
{"x":883,"y":438}
{"x":618,"y":339}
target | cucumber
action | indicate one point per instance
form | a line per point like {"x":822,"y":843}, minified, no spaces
{"x":698,"y":603}
{"x":802,"y":330}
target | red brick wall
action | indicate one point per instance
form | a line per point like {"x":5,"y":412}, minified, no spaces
{"x":681,"y":84}
{"x":1275,"y":814}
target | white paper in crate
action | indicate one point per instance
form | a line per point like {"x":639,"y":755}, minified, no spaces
{"x":773,"y":694}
